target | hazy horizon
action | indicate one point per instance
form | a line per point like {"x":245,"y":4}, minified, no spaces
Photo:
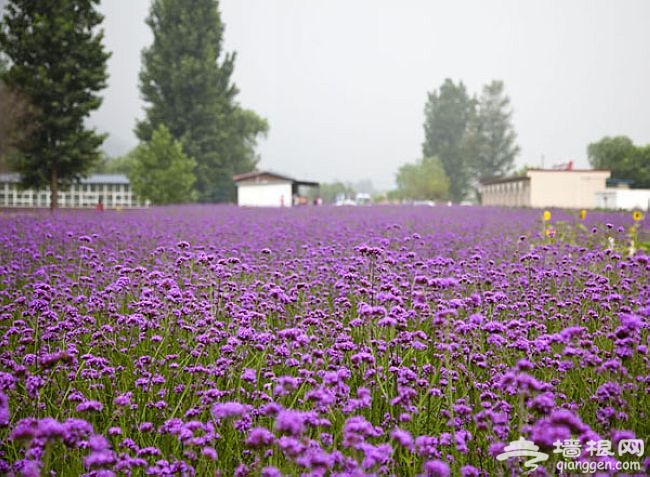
{"x":343,"y":84}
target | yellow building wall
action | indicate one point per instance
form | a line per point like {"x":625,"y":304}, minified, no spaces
{"x":568,"y":189}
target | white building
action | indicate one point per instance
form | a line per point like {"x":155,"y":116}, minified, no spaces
{"x":625,"y":199}
{"x":573,"y":189}
{"x":268,"y":189}
{"x":114,"y":190}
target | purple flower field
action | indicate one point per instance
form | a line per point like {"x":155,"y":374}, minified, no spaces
{"x":207,"y":340}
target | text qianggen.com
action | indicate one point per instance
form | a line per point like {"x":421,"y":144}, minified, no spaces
{"x":592,"y":467}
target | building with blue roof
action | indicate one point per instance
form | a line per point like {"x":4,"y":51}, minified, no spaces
{"x":112,"y":190}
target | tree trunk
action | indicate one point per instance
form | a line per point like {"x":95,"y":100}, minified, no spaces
{"x":54,"y":190}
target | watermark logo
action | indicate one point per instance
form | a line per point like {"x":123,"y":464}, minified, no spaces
{"x":631,"y":446}
{"x":571,"y":449}
{"x":524,"y":448}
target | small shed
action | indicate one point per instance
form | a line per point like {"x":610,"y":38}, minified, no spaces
{"x":268,"y":189}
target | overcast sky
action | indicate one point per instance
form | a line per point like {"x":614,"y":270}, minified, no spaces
{"x":343,"y":83}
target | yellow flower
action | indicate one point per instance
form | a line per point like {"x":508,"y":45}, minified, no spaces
{"x":637,"y":215}
{"x":583,"y":214}
{"x":547,"y":215}
{"x":550,"y":232}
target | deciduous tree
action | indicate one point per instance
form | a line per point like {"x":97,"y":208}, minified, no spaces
{"x":160,"y":171}
{"x":423,"y":180}
{"x":13,"y":128}
{"x":623,"y":158}
{"x":447,"y":113}
{"x":610,"y":152}
{"x":58,"y":64}
{"x":492,"y":135}
{"x":186,"y":82}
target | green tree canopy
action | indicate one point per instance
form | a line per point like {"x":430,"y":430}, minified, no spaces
{"x":447,"y":113}
{"x":58,"y":64}
{"x":161,"y":172}
{"x":13,"y":125}
{"x":492,"y":134}
{"x":610,"y":152}
{"x":186,"y":82}
{"x":117,"y":165}
{"x":623,"y":158}
{"x":424,"y":180}
{"x":639,"y":167}
{"x":473,"y":138}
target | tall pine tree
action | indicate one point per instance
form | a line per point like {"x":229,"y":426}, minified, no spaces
{"x":492,"y":133}
{"x":58,"y":64}
{"x":186,"y":81}
{"x":447,"y":113}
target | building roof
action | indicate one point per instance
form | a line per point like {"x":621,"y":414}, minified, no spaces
{"x":263,"y":176}
{"x":503,"y":180}
{"x":534,"y":169}
{"x":106,"y":179}
{"x":92,"y":179}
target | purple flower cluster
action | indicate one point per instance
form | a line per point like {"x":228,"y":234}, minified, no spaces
{"x":206,"y":340}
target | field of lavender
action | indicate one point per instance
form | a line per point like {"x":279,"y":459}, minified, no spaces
{"x":207,"y":340}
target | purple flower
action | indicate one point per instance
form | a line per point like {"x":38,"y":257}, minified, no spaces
{"x":271,"y":409}
{"x":290,"y":422}
{"x":436,"y":468}
{"x":356,"y":429}
{"x":145,"y":427}
{"x":403,"y":438}
{"x":469,"y":471}
{"x":100,"y":453}
{"x":25,"y":429}
{"x":76,"y":430}
{"x":426,"y":446}
{"x":375,"y":455}
{"x":618,"y":436}
{"x":314,"y":458}
{"x":259,"y":437}
{"x":225,"y":410}
{"x":28,"y":468}
{"x":543,"y":403}
{"x":560,"y":425}
{"x":631,"y":322}
{"x":291,"y":446}
{"x":209,"y":452}
{"x":271,"y":472}
{"x":50,"y":428}
{"x":249,"y":375}
{"x":90,"y":406}
{"x":4,"y":409}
